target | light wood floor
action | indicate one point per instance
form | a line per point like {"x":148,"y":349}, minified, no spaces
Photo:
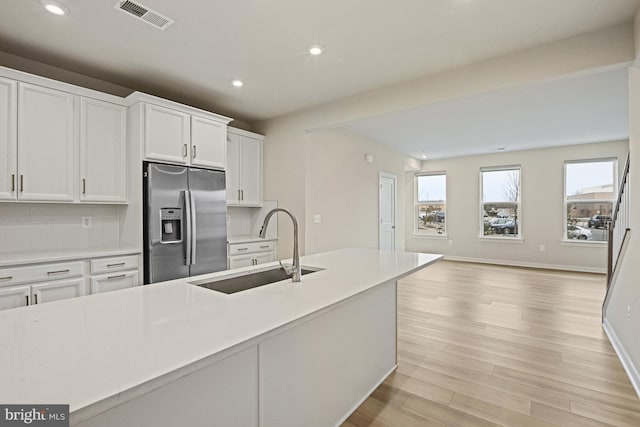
{"x":482,"y":345}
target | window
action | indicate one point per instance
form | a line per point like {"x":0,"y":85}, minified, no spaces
{"x":500,"y":199}
{"x":431,"y":196}
{"x":589,"y":191}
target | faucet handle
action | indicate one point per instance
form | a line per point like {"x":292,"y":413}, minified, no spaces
{"x":288,"y":270}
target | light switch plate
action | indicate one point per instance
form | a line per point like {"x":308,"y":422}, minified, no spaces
{"x":86,"y":222}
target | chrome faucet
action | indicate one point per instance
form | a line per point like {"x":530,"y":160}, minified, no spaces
{"x":294,"y":270}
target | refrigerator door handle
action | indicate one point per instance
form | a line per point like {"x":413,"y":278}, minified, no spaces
{"x":187,"y":205}
{"x":192,"y":241}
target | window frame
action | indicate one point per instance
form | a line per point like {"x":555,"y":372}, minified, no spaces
{"x":517,"y":237}
{"x":416,"y":205}
{"x":565,"y":238}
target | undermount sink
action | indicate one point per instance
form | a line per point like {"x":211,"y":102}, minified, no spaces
{"x":248,"y":281}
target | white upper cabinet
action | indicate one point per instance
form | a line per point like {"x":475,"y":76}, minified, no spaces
{"x":103,"y":147}
{"x":8,"y":139}
{"x":244,"y":168}
{"x":208,"y":147}
{"x":47,"y":161}
{"x":176,"y":136}
{"x":167,"y":134}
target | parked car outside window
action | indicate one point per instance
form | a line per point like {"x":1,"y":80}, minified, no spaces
{"x":504,"y":226}
{"x":599,"y":221}
{"x":577,"y":232}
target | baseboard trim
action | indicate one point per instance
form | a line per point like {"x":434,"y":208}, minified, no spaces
{"x":366,"y":396}
{"x":577,"y":268}
{"x":627,"y":363}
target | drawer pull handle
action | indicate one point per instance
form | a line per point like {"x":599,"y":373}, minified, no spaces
{"x":35,"y":298}
{"x":13,"y":182}
{"x":26,"y":297}
{"x":265,"y":247}
{"x":115,"y":265}
{"x":21,"y":183}
{"x":6,"y":278}
{"x":119,"y":276}
{"x":194,"y":151}
{"x":184,"y":150}
{"x":84,"y":186}
{"x":243,"y":249}
{"x":58,"y":272}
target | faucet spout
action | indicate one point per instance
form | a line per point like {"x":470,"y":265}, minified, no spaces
{"x":295,"y":269}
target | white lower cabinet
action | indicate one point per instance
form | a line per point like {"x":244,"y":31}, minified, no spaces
{"x":114,"y":281}
{"x":14,"y":296}
{"x":40,"y":283}
{"x":54,"y":291}
{"x":250,"y":253}
{"x":115,"y":273}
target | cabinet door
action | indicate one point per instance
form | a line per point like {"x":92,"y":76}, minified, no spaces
{"x":8,"y":139}
{"x":251,"y":172}
{"x":264,"y":258}
{"x":167,"y":134}
{"x":233,"y":169}
{"x":54,"y":291}
{"x":103,"y":144}
{"x":208,"y":143}
{"x":240,"y":261}
{"x":114,"y":282}
{"x":16,"y":296}
{"x":47,"y":159}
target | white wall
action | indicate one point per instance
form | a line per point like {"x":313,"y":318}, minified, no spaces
{"x":541,"y":220}
{"x":287,"y":137}
{"x":36,"y":227}
{"x":343,"y":189}
{"x":626,"y":289}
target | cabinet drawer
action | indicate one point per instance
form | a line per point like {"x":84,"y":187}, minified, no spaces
{"x":107,"y":265}
{"x":39,"y":273}
{"x":248,"y":248}
{"x":114,"y":282}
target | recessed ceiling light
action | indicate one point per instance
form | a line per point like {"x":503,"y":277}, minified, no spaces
{"x":424,"y":156}
{"x":55,"y":8}
{"x":315,"y":49}
{"x":237,"y":82}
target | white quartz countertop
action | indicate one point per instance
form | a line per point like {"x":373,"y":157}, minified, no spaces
{"x":97,"y":351}
{"x":248,"y":239}
{"x":39,"y":257}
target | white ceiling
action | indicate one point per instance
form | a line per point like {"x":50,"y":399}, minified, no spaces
{"x":584,"y":109}
{"x":369,"y":44}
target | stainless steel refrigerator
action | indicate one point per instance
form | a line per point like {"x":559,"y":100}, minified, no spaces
{"x":185,"y":222}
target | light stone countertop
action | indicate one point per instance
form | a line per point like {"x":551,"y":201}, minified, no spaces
{"x":97,"y":351}
{"x":248,"y":239}
{"x":17,"y":259}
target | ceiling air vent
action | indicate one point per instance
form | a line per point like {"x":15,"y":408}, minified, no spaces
{"x":144,"y":13}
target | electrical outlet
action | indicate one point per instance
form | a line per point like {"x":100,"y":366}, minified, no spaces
{"x":450,"y":242}
{"x":228,"y":219}
{"x":86,"y":222}
{"x":628,"y":313}
{"x":317,"y":219}
{"x":542,"y":248}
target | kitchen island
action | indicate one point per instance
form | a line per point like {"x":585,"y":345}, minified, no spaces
{"x":299,"y":354}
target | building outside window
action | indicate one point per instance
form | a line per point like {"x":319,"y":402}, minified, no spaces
{"x":431,"y":196}
{"x":590,"y":188}
{"x":500,"y":195}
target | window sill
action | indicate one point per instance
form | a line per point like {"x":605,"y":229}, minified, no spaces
{"x":583,"y":243}
{"x":430,"y":236}
{"x":518,"y":240}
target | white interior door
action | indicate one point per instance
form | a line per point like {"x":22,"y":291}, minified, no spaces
{"x":387,"y":215}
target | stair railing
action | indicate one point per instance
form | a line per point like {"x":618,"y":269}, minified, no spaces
{"x":619,"y":226}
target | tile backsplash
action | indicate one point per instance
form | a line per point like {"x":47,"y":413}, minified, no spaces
{"x":39,"y":227}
